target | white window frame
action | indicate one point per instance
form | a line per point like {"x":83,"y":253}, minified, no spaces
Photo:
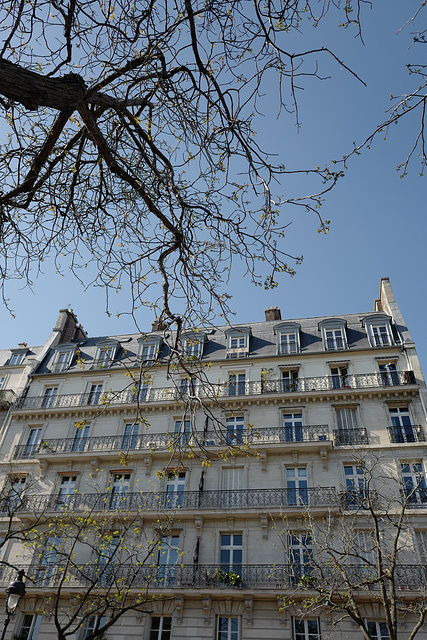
{"x":238,"y":342}
{"x":32,"y":441}
{"x":81,"y":434}
{"x":3,"y":379}
{"x":15,"y":486}
{"x":105,"y":355}
{"x":379,"y":321}
{"x":49,"y":396}
{"x":416,"y":473}
{"x":347,"y":418}
{"x":229,"y":633}
{"x":306,"y":633}
{"x":94,"y":392}
{"x":296,"y":478}
{"x":339,"y":376}
{"x":292,"y":426}
{"x":175,"y":488}
{"x":149,"y":349}
{"x":90,"y":625}
{"x":161,"y":633}
{"x":63,"y":359}
{"x":235,"y":425}
{"x":288,"y":329}
{"x":193,"y":344}
{"x":130,"y":436}
{"x":355,"y":487}
{"x":16,"y":358}
{"x":335,"y":342}
{"x":236,"y":384}
{"x":120,"y":482}
{"x":234,"y":549}
{"x":66,"y":489}
{"x":33,"y":626}
{"x":381,"y":631}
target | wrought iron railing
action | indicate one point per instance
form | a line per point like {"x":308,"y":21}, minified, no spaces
{"x":407,"y":433}
{"x":192,"y":500}
{"x":167,"y":441}
{"x":214,"y":576}
{"x":7,"y":396}
{"x":350,"y":436}
{"x":215,"y":391}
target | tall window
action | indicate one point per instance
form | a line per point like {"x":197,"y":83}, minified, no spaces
{"x":296,"y":485}
{"x":29,"y":627}
{"x":182,"y":432}
{"x":94,"y":394}
{"x":388,"y":374}
{"x":307,"y":629}
{"x":49,"y":397}
{"x":290,"y":380}
{"x":300,"y":555}
{"x":33,"y":440}
{"x":130,"y":436}
{"x":231,"y":552}
{"x":421,"y":537}
{"x":292,"y":427}
{"x":47,"y":560}
{"x":66,"y":490}
{"x":119,"y":487}
{"x":288,"y":343}
{"x":334,"y":339}
{"x":402,"y":428}
{"x":160,"y":628}
{"x":80,"y":437}
{"x":15,"y":490}
{"x":414,"y":482}
{"x":355,"y":484}
{"x":339,"y":378}
{"x":141,"y":391}
{"x":228,"y":628}
{"x":63,"y":361}
{"x":232,"y":485}
{"x":168,"y":556}
{"x":236,"y":384}
{"x":90,"y":626}
{"x":377,"y":630}
{"x":175,"y":489}
{"x":235,"y":426}
{"x":347,"y":419}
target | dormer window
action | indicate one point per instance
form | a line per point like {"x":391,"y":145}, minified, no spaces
{"x":16,"y":358}
{"x":287,"y":338}
{"x":149,"y":348}
{"x":238,"y":342}
{"x":378,"y":329}
{"x":194,"y":343}
{"x":333,"y":334}
{"x":63,"y":358}
{"x":105,"y":354}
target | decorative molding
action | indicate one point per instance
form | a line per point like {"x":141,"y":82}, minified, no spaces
{"x":179,"y":606}
{"x":198,"y":523}
{"x":324,"y":458}
{"x":147,"y":462}
{"x":206,"y":606}
{"x":263,"y":460}
{"x":264,"y":526}
{"x":249,"y":604}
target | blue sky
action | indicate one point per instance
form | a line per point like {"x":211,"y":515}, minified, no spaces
{"x":378,"y":221}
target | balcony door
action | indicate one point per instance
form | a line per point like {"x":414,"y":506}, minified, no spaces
{"x":232,"y":485}
{"x":401,"y":423}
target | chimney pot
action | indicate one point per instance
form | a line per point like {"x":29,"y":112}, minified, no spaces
{"x":158,"y":325}
{"x":272,"y":313}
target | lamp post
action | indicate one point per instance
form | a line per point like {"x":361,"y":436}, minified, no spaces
{"x":15,"y":591}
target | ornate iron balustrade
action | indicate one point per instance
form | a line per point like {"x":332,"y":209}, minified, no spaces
{"x":167,"y":441}
{"x":215,"y":391}
{"x":407,"y":433}
{"x":214,"y":576}
{"x":350,"y":436}
{"x":191,"y":500}
{"x":7,"y":396}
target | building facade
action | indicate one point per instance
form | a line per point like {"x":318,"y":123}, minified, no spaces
{"x":260,"y":436}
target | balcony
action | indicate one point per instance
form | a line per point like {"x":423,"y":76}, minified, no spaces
{"x":212,"y":576}
{"x":150,"y":442}
{"x":406,"y":433}
{"x":7,"y":397}
{"x":344,"y":437}
{"x":315,"y":497}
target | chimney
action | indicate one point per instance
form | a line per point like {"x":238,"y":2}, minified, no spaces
{"x":272,"y":313}
{"x":158,"y":325}
{"x":68,"y":327}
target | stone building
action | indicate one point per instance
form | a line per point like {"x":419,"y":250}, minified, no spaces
{"x":263,"y":435}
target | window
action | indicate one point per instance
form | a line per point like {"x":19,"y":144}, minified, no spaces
{"x":355,"y":484}
{"x":62,"y":361}
{"x":296,"y":485}
{"x":388,"y":374}
{"x":348,"y":431}
{"x":119,"y":487}
{"x":228,"y":628}
{"x":377,"y":630}
{"x":149,"y":349}
{"x":16,"y":485}
{"x":47,"y":560}
{"x":193,"y":345}
{"x":149,"y":353}
{"x":238,"y":342}
{"x":140,"y":393}
{"x":160,"y":628}
{"x":339,"y":378}
{"x":421,"y":538}
{"x":234,"y":425}
{"x":66,"y":490}
{"x":175,"y":489}
{"x":232,"y":485}
{"x":168,"y":556}
{"x":402,"y":429}
{"x":300,"y":555}
{"x":366,"y":552}
{"x":333,"y":334}
{"x":186,"y":387}
{"x":288,"y":343}
{"x":80,"y":438}
{"x":378,"y":329}
{"x":231,"y":552}
{"x":105,"y":356}
{"x":236,"y":384}
{"x":130,"y":436}
{"x":90,"y":625}
{"x":414,"y":482}
{"x":15,"y":359}
{"x":94,"y":394}
{"x":290,"y":380}
{"x":29,"y":627}
{"x":287,"y":338}
{"x":49,"y":397}
{"x":307,"y":629}
{"x":182,"y":432}
{"x":32,"y":444}
{"x":292,"y":430}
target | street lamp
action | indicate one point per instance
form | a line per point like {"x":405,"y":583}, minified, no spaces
{"x":15,"y":591}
